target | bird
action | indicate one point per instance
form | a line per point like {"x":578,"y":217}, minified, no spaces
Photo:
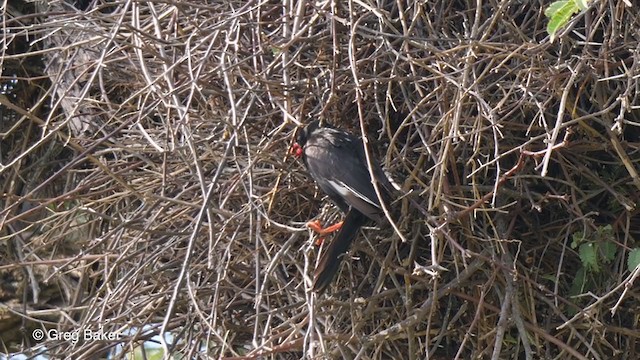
{"x":336,"y":161}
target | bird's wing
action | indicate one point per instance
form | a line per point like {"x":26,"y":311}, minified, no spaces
{"x":337,"y":164}
{"x":366,"y":205}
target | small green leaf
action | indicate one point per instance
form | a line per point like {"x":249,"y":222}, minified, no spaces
{"x":608,"y":251}
{"x":578,"y":237}
{"x":634,"y":259}
{"x":559,"y":14}
{"x":605,"y":232}
{"x":555,"y":7}
{"x":588,"y":257}
{"x":582,"y":4}
{"x":579,"y":282}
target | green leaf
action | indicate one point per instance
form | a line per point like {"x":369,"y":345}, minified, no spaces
{"x":608,"y":251}
{"x":588,"y":257}
{"x":559,"y":14}
{"x":555,"y":7}
{"x":579,"y":282}
{"x":605,"y":232}
{"x":633,"y":261}
{"x":578,"y":237}
{"x":582,"y":4}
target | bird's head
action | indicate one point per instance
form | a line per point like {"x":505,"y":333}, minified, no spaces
{"x":303,"y":135}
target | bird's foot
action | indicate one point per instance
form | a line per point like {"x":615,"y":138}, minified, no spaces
{"x":316,"y":226}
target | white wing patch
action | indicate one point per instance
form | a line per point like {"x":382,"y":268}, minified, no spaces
{"x":346,"y":191}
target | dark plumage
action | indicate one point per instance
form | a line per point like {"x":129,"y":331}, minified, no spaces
{"x":336,"y":161}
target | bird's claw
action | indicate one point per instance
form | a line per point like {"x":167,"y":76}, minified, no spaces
{"x":316,"y":226}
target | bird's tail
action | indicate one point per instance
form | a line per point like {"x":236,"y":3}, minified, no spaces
{"x":332,"y":256}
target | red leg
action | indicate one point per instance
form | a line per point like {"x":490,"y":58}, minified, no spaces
{"x":317,"y":227}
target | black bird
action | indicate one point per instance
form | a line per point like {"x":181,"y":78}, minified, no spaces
{"x":336,"y":161}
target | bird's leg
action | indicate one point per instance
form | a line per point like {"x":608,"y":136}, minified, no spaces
{"x":317,"y":227}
